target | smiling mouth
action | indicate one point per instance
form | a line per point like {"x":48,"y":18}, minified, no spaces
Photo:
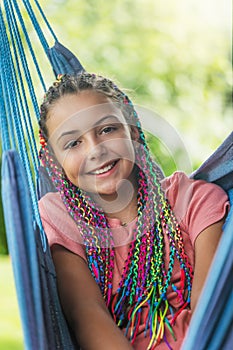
{"x":105,"y":169}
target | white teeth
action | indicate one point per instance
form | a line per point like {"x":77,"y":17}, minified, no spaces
{"x":104,"y":170}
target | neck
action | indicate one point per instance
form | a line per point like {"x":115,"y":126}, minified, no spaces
{"x":125,"y":212}
{"x":121,"y":205}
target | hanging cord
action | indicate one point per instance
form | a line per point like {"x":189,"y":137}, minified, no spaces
{"x":5,"y":144}
{"x":37,"y":26}
{"x":15,"y":38}
{"x":22,"y":98}
{"x":46,"y":21}
{"x":22,"y":54}
{"x":16,"y":106}
{"x":6,"y":125}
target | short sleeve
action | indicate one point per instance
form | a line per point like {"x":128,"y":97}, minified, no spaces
{"x":59,"y":227}
{"x":197,"y":204}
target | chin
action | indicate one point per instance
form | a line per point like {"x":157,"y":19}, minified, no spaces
{"x":101,"y":192}
{"x":107,"y":192}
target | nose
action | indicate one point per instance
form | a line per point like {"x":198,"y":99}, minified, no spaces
{"x":96,"y":150}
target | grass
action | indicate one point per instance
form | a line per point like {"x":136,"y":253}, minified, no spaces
{"x":11,"y":337}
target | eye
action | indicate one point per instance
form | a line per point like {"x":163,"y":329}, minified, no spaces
{"x":108,"y":129}
{"x":72,"y":144}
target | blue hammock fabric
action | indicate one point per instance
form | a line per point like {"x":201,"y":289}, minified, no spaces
{"x":211,"y":326}
{"x":63,"y":60}
{"x":218,"y":168}
{"x":22,"y":247}
{"x":43,"y":322}
{"x":212,"y":323}
{"x":44,"y":325}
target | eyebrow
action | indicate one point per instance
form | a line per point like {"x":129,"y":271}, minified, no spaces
{"x":71,"y":132}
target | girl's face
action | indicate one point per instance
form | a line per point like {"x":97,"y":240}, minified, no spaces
{"x":92,"y":142}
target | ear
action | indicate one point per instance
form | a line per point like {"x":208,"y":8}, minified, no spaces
{"x":134,"y":133}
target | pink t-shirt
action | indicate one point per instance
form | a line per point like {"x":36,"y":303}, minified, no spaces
{"x":196,"y":205}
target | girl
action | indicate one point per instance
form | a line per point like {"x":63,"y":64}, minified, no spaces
{"x":131,"y":249}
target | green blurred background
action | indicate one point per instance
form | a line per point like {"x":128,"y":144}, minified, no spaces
{"x":175,"y":58}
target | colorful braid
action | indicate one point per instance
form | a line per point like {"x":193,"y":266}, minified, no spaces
{"x":145,"y":278}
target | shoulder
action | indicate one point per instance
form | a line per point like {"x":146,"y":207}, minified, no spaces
{"x":52,"y":198}
{"x":196,"y":203}
{"x":180,"y":188}
{"x":52,"y":208}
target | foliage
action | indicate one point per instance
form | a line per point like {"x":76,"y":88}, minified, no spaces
{"x":175,"y":57}
{"x":11,"y":337}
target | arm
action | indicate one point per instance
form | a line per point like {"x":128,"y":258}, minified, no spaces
{"x":84,"y":305}
{"x":205,"y":247}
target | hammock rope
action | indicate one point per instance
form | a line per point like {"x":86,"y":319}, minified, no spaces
{"x":17,"y":88}
{"x":21,"y":80}
{"x":20,"y":99}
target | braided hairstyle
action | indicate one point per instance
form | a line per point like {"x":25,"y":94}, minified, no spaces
{"x":145,"y":278}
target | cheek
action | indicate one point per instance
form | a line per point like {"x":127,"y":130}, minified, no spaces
{"x":127,"y":150}
{"x":71,"y":163}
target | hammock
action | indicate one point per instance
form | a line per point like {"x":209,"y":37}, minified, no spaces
{"x":43,"y":322}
